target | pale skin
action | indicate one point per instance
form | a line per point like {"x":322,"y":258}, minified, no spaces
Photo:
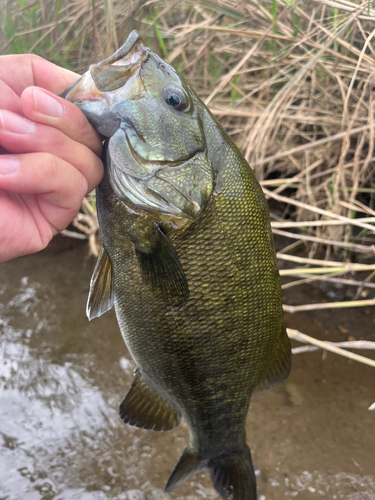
{"x":49,"y":154}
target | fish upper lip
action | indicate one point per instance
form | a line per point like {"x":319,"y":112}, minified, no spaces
{"x":132,"y":54}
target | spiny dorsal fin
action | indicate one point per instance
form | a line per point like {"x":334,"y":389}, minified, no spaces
{"x":144,"y":408}
{"x":279,"y":367}
{"x":101,"y":294}
{"x":162,"y":270}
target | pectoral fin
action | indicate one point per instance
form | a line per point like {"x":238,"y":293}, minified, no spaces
{"x":144,"y":408}
{"x":101,"y":294}
{"x":161,"y":268}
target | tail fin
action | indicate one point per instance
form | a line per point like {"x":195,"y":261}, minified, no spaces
{"x":232,"y":475}
{"x":188,"y":465}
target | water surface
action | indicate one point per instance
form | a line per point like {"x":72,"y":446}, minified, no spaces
{"x":62,"y":379}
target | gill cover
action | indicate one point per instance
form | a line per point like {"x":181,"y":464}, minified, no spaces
{"x":156,"y":155}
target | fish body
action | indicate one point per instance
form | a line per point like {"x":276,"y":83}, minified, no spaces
{"x":188,"y":262}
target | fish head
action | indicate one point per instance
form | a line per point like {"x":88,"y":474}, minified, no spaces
{"x":156,"y":154}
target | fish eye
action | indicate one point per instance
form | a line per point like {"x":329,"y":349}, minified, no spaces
{"x":175,"y":98}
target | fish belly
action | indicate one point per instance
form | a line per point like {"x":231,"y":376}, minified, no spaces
{"x":207,"y":355}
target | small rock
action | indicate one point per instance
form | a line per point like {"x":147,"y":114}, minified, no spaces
{"x":295,"y":396}
{"x":157,"y":495}
{"x":126,"y":365}
{"x":81,"y":494}
{"x":135,"y":495}
{"x":342,"y":330}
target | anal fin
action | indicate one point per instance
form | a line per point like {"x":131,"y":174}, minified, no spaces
{"x":101,"y":295}
{"x":144,"y":408}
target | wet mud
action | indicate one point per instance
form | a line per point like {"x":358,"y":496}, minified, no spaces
{"x":62,"y":379}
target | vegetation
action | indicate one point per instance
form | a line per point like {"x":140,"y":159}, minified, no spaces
{"x":292,"y":81}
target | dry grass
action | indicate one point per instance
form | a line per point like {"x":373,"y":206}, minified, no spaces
{"x":292,"y":82}
{"x":336,"y":348}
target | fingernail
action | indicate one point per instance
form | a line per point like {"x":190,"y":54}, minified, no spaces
{"x":15,"y":124}
{"x":9,"y":166}
{"x":47,"y":105}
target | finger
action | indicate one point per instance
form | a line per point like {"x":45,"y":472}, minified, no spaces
{"x":59,"y":186}
{"x":9,"y":99}
{"x":44,"y":107}
{"x":23,"y":228}
{"x":22,"y":71}
{"x":19,"y":135}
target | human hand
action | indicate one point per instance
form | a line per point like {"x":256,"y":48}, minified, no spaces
{"x":49,"y":154}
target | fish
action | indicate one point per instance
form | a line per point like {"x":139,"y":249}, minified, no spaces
{"x":188,"y":262}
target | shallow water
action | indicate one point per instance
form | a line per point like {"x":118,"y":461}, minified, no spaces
{"x":62,"y":379}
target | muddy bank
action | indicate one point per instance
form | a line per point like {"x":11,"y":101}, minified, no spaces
{"x":62,"y":379}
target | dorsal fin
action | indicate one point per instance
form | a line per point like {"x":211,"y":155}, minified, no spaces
{"x":101,"y":294}
{"x":144,"y":408}
{"x":279,"y":365}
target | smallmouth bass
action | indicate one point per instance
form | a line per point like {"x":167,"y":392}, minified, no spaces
{"x":188,"y":262}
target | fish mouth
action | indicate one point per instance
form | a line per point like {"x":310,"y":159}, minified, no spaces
{"x":116,"y":70}
{"x":119,"y":71}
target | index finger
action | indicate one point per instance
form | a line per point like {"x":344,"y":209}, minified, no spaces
{"x":44,"y":107}
{"x":21,"y":71}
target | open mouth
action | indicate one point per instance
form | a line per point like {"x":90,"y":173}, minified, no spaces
{"x":111,"y":74}
{"x":114,"y":72}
